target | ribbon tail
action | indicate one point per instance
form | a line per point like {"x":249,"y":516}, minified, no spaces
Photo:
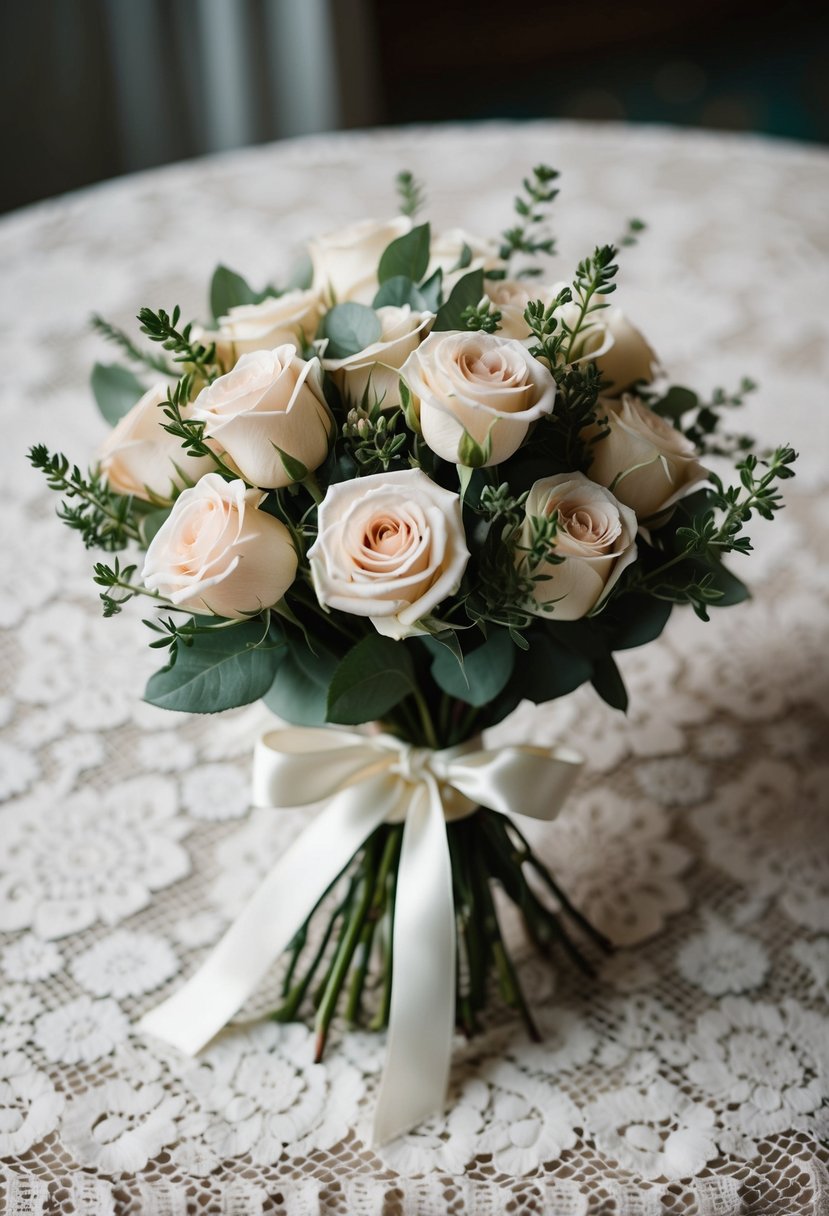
{"x":232,"y":971}
{"x":422,"y":1011}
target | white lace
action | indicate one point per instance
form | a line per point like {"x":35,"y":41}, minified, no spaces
{"x":693,"y":1074}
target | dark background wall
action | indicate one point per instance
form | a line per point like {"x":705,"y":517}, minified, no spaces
{"x":93,"y":88}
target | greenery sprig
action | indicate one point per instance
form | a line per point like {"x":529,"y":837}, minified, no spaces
{"x":410,"y":192}
{"x":483,"y":316}
{"x":529,"y":236}
{"x":118,"y":586}
{"x":187,"y":430}
{"x":104,"y":519}
{"x":125,"y":343}
{"x":162,"y":327}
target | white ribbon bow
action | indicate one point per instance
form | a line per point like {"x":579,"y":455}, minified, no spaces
{"x":369,"y":780}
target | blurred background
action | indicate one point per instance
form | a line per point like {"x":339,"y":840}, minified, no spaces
{"x":90,"y":89}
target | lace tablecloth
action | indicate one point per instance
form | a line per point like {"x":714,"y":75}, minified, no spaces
{"x":692,"y":1076}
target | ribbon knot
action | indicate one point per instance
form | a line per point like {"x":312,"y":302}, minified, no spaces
{"x":414,"y":763}
{"x":366,"y":781}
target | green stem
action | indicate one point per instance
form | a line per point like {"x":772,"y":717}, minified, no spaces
{"x":352,"y":928}
{"x":388,"y":861}
{"x":425,"y":719}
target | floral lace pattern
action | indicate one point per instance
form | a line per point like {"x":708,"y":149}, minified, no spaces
{"x":692,"y":1072}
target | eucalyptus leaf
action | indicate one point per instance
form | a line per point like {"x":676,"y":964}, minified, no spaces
{"x":676,"y":402}
{"x":376,"y":674}
{"x":349,"y":328}
{"x":299,"y":692}
{"x":407,"y":256}
{"x":399,"y":291}
{"x":116,"y":390}
{"x":733,"y":590}
{"x":227,"y":290}
{"x":635,"y":620}
{"x":152,"y":522}
{"x":466,"y":293}
{"x":223,"y":668}
{"x":484,"y":673}
{"x":431,"y":290}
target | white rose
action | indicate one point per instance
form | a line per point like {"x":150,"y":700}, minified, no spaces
{"x":511,"y":297}
{"x":482,"y":384}
{"x":447,"y":248}
{"x":402,"y":332}
{"x":218,"y":553}
{"x":596,"y":536}
{"x":139,"y":457}
{"x":647,"y":462}
{"x":345,"y":262}
{"x":390,"y":547}
{"x":291,"y":318}
{"x":270,"y":400}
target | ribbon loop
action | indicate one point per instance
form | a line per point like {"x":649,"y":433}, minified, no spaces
{"x":365,"y":781}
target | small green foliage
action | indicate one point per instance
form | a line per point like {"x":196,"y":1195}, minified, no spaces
{"x":411,"y":193}
{"x":189,"y":432}
{"x":466,"y":293}
{"x":633,"y":231}
{"x":483,"y":316}
{"x":118,"y":585}
{"x":162,"y":327}
{"x":528,"y":235}
{"x":229,"y":290}
{"x":105,"y":520}
{"x":116,"y":390}
{"x":134,"y":353}
{"x":374,"y":436}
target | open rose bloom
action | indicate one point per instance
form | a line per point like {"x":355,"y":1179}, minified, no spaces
{"x":409,"y":492}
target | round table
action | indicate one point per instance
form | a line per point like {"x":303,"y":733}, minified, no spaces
{"x":691,"y":1075}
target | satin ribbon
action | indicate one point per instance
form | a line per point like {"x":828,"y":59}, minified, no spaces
{"x":369,"y":780}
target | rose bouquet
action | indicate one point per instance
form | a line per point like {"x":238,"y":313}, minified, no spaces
{"x":412,"y":489}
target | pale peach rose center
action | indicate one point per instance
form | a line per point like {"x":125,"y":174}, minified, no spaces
{"x":387,"y":536}
{"x":581,"y":529}
{"x":491,"y":365}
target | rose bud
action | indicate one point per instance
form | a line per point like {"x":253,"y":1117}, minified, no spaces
{"x":345,"y":262}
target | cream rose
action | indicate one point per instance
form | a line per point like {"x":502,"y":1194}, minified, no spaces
{"x":646,"y":462}
{"x":390,"y":547}
{"x":218,"y":553}
{"x":291,"y":318}
{"x":402,"y":332}
{"x":482,"y":384}
{"x":270,"y":400}
{"x":596,"y":536}
{"x":446,"y":250}
{"x":139,"y":457}
{"x":616,"y":347}
{"x":345,"y":262}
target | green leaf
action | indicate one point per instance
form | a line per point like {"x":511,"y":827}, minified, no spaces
{"x":485,"y":671}
{"x":116,"y":390}
{"x":299,"y":692}
{"x":608,"y":683}
{"x":550,"y":669}
{"x":220,"y":670}
{"x":466,"y":293}
{"x":473,"y":454}
{"x":407,"y":256}
{"x":398,"y":291}
{"x":302,"y":274}
{"x":151,"y":523}
{"x":370,"y":680}
{"x":431,"y":290}
{"x":676,"y":402}
{"x":635,"y":620}
{"x":227,"y":290}
{"x":349,"y":328}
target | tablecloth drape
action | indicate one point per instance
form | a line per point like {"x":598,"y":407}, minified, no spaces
{"x":692,"y":1076}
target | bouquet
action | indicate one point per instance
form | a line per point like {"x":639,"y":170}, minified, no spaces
{"x":416,"y":486}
